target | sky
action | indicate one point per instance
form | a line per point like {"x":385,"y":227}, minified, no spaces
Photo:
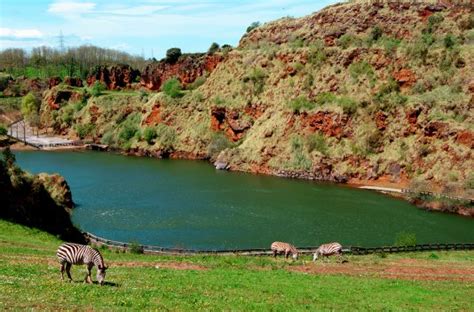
{"x":142,"y":27}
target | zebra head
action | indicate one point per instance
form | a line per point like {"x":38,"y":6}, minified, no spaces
{"x":315,"y":255}
{"x":101,"y":274}
{"x":295,"y":256}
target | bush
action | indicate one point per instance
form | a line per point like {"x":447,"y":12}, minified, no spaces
{"x":300,"y":104}
{"x":253,"y":26}
{"x":149,"y":134}
{"x":213,"y":48}
{"x":299,"y":160}
{"x":172,"y":88}
{"x":107,"y":138}
{"x":166,"y":137}
{"x":405,"y":239}
{"x":257,"y":76}
{"x":317,"y":142}
{"x":135,"y":248}
{"x":3,"y":130}
{"x":376,"y":34}
{"x":98,"y":88}
{"x":449,"y":41}
{"x":433,"y":23}
{"x":30,"y":105}
{"x":197,"y":83}
{"x":218,"y":143}
{"x":128,"y":132}
{"x":84,"y":130}
{"x":362,"y":68}
{"x":349,"y":106}
{"x":173,"y":54}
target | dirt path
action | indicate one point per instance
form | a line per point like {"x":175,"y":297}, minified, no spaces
{"x":405,"y":269}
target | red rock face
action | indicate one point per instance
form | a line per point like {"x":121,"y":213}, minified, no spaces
{"x":187,"y":69}
{"x":405,"y":78}
{"x":22,"y":86}
{"x":154,"y":117}
{"x":331,"y":124}
{"x":114,"y":77}
{"x":230,"y":122}
{"x":465,"y":137}
{"x":436,"y":129}
{"x":73,"y":82}
{"x":53,"y":81}
{"x":381,"y":120}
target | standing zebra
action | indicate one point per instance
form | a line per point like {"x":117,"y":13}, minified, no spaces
{"x":284,"y":248}
{"x":326,"y":250}
{"x":69,"y":254}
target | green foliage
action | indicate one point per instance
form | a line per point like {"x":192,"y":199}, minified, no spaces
{"x":299,"y":159}
{"x":252,"y":26}
{"x":317,"y":55}
{"x":129,"y":128}
{"x":98,"y":88}
{"x":173,"y":54}
{"x":107,"y":138}
{"x":84,"y":130}
{"x":218,"y":143}
{"x":3,"y":130}
{"x":348,"y":40}
{"x":8,"y":157}
{"x":405,"y":239}
{"x":389,"y":97}
{"x":348,"y":105}
{"x":166,"y":137}
{"x":135,"y":248}
{"x":376,"y":34}
{"x":30,"y":105}
{"x":390,"y":45}
{"x":420,"y":48}
{"x":361,"y":69}
{"x":317,"y":142}
{"x":197,"y":83}
{"x":300,"y":104}
{"x":172,"y":88}
{"x":67,"y":115}
{"x":449,"y":41}
{"x":257,"y":76}
{"x":433,"y":23}
{"x":149,"y":134}
{"x":213,"y":48}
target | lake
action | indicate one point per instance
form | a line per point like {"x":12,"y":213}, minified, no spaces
{"x":189,"y":204}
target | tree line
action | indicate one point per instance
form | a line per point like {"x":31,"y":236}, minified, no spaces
{"x":44,"y":62}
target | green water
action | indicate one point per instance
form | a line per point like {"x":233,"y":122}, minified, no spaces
{"x":188,"y":204}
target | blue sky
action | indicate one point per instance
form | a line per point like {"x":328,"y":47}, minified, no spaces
{"x":139,"y":27}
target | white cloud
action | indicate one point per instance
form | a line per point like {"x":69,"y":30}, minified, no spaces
{"x":137,"y":10}
{"x":20,"y":33}
{"x":71,"y":8}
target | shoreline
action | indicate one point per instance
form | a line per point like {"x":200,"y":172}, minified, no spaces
{"x":393,"y":189}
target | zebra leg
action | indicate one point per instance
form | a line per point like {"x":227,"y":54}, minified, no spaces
{"x":274,"y":254}
{"x":62,"y":271}
{"x":286,"y":254}
{"x":68,"y":271}
{"x":88,"y":278}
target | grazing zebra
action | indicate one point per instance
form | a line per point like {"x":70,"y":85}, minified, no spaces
{"x":326,"y":250}
{"x":69,"y":254}
{"x":284,"y":248}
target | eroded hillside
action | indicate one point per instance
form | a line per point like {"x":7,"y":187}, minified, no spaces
{"x":358,"y":92}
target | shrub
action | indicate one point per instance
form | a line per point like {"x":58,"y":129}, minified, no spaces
{"x":30,"y":105}
{"x":67,"y":115}
{"x":257,"y":76}
{"x":376,"y":34}
{"x":449,"y":41}
{"x":173,"y":54}
{"x":317,"y":56}
{"x":197,"y":83}
{"x":390,"y":45}
{"x":349,"y":106}
{"x":300,"y":104}
{"x":405,"y":239}
{"x":317,"y":142}
{"x":433,"y":23}
{"x":172,"y":88}
{"x":3,"y":130}
{"x":128,"y":131}
{"x":166,"y":137}
{"x":218,"y":143}
{"x":253,"y":26}
{"x":299,"y":160}
{"x":98,"y":88}
{"x":84,"y":130}
{"x":107,"y":138}
{"x":213,"y":48}
{"x":135,"y":248}
{"x":362,"y":68}
{"x":149,"y":134}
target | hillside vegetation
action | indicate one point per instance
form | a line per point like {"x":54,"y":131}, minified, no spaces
{"x":362,"y":92}
{"x":420,"y":281}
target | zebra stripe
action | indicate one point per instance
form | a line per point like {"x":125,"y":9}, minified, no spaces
{"x":284,"y":248}
{"x":79,"y":254}
{"x":328,"y":250}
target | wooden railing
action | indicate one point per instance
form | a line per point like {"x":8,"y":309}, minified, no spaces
{"x":354,"y":250}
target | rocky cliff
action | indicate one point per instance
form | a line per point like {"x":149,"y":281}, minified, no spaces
{"x":360,"y":92}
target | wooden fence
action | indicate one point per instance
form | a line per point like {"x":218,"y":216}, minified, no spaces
{"x":354,"y":250}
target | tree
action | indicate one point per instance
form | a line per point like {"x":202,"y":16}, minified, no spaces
{"x":30,"y":106}
{"x":173,"y":54}
{"x":213,"y":48}
{"x":253,"y":26}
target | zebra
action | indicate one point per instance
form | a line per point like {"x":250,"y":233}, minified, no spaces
{"x":326,"y":250}
{"x":284,"y":248}
{"x":69,"y":254}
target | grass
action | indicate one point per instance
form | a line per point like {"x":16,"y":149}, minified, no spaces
{"x":30,"y":280}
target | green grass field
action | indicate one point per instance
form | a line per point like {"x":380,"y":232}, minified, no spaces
{"x":30,"y":279}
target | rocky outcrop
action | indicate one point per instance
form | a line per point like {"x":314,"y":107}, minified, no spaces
{"x":114,"y":77}
{"x":230,"y":121}
{"x":187,"y":69}
{"x":331,"y":124}
{"x":73,"y":82}
{"x":22,"y":86}
{"x":61,"y":96}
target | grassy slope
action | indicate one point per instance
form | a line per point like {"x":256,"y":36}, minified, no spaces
{"x":29,"y":278}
